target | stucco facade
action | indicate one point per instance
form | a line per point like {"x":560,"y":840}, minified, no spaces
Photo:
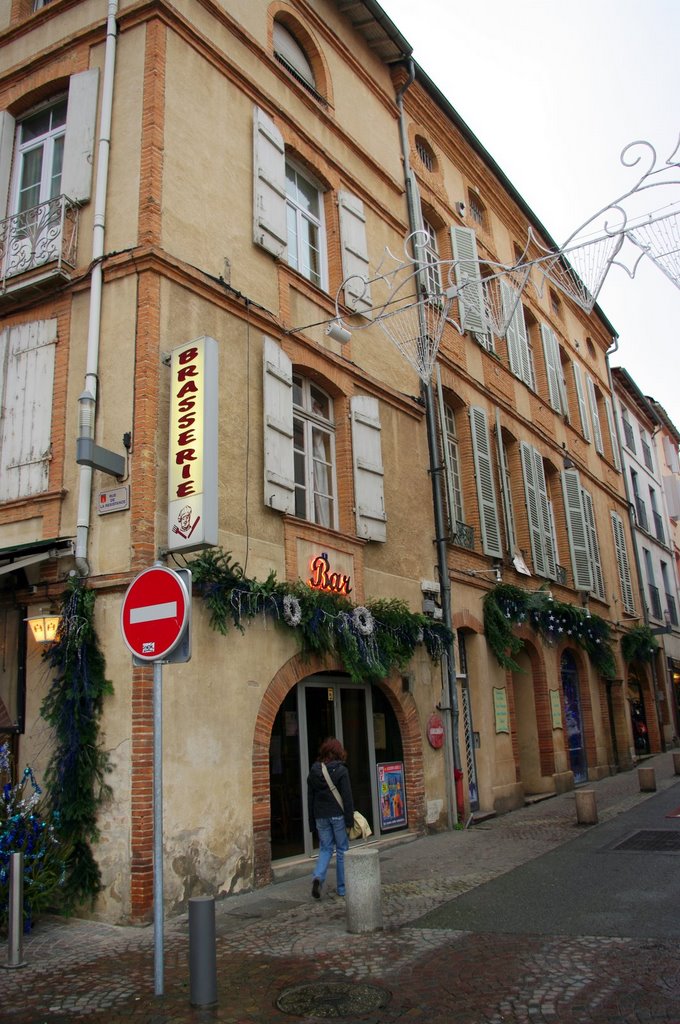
{"x":247,"y":191}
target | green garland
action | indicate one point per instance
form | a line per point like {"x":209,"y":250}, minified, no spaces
{"x":371,"y":641}
{"x":639,"y":645}
{"x":76,"y":771}
{"x":506,"y":606}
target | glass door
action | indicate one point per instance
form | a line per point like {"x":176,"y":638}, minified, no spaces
{"x":572,"y":717}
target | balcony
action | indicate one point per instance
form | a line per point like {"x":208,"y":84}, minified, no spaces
{"x":654,"y":602}
{"x":38,"y":245}
{"x":464,"y":536}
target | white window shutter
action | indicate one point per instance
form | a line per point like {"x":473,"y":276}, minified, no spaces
{"x":622,"y":563}
{"x":269,"y":185}
{"x":553,"y":367}
{"x":354,"y":248}
{"x":545,"y":511}
{"x":593,"y":546}
{"x":506,"y":492}
{"x":369,"y":495}
{"x":7,"y":132}
{"x":519,"y":353}
{"x":486,"y":491}
{"x":533,"y":511}
{"x":612,"y":433}
{"x":279,"y":468}
{"x":594,"y":414}
{"x":81,"y":114}
{"x":445,"y":457}
{"x":471,"y":298}
{"x":582,"y":405}
{"x":27,"y":409}
{"x":577,"y":530}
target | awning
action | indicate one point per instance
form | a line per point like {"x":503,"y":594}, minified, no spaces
{"x":22,"y":555}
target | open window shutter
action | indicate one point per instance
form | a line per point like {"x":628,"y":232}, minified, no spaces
{"x":81,"y":113}
{"x":446,"y":459}
{"x":506,"y":492}
{"x":354,"y":252}
{"x":269,"y":185}
{"x":581,"y":396}
{"x":486,"y":491}
{"x":368,"y":468}
{"x":594,"y":414}
{"x":553,"y":366}
{"x":279,"y":468}
{"x":622,"y":563}
{"x":7,"y":131}
{"x":533,"y":512}
{"x":612,"y":433}
{"x":509,"y":298}
{"x":593,"y":546}
{"x":27,"y":409}
{"x":577,"y":530}
{"x":545,"y":511}
{"x":471,"y":298}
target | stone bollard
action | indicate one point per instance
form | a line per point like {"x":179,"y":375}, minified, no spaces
{"x":362,"y":890}
{"x":586,"y":807}
{"x":647,"y":780}
{"x":676,"y":762}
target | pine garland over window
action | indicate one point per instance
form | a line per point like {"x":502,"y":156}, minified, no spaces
{"x":78,"y":766}
{"x":639,"y":645}
{"x":506,"y":606}
{"x":370,"y":641}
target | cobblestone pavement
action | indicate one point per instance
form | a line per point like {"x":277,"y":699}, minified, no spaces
{"x":277,"y":939}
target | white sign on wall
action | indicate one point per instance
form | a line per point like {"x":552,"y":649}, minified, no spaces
{"x":192,"y":466}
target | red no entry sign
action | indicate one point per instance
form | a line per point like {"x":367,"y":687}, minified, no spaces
{"x":154,"y":613}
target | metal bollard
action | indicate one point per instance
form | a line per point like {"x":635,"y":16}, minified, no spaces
{"x":15,"y":939}
{"x":362,"y":894}
{"x":586,"y":807}
{"x":202,"y":954}
{"x":647,"y":780}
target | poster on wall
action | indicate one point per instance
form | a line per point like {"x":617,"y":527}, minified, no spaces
{"x":391,"y":795}
{"x":500,"y":709}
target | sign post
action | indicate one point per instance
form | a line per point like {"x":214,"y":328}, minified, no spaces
{"x":155,"y":618}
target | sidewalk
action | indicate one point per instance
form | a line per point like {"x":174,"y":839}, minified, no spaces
{"x":278,"y":938}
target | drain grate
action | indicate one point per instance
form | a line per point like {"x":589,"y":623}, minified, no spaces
{"x":332,"y":999}
{"x":652,"y":841}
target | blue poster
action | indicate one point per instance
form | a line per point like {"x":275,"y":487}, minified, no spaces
{"x":391,"y":795}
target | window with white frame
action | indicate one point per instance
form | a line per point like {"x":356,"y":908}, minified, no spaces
{"x":288,"y":52}
{"x":40,"y":155}
{"x":646,"y":449}
{"x":429,"y":257}
{"x":314,"y":453}
{"x":304,"y":215}
{"x":452,"y":463}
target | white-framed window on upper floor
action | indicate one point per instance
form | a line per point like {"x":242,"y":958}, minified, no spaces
{"x":646,"y":444}
{"x":306,"y":234}
{"x":289,"y":222}
{"x":593,"y":394}
{"x":288,"y":51}
{"x":299,"y":449}
{"x":430,"y":259}
{"x":628,"y":434}
{"x":477,"y":210}
{"x":27,"y":358}
{"x":450,"y":453}
{"x":46,"y":159}
{"x":657,"y":518}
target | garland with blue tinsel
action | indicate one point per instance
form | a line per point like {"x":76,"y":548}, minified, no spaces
{"x":73,"y":707}
{"x":506,"y":606}
{"x":371,"y":641}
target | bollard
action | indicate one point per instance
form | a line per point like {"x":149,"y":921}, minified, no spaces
{"x":586,"y":807}
{"x":202,"y":955}
{"x":15,"y":937}
{"x":676,"y":762}
{"x":647,"y":780}
{"x":362,"y":893}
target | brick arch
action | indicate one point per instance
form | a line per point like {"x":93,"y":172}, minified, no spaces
{"x":466,"y":620}
{"x":288,"y":676}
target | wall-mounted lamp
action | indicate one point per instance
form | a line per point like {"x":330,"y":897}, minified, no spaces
{"x":87,"y":452}
{"x":338,"y":333}
{"x":44,"y":626}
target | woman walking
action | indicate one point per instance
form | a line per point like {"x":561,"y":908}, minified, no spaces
{"x":331,"y":811}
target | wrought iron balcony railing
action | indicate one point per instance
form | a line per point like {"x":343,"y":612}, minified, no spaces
{"x":464,"y":536}
{"x":560,"y":575}
{"x":45,"y":236}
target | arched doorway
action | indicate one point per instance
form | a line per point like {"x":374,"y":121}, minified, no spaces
{"x":321,"y":705}
{"x":573,"y":718}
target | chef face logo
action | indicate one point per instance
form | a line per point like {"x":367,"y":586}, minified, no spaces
{"x":185,"y":526}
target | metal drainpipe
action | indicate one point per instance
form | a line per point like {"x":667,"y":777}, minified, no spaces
{"x":96,"y":282}
{"x":636,"y":553}
{"x":452,"y":748}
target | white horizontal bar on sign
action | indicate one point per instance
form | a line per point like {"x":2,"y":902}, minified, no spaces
{"x":151,"y":612}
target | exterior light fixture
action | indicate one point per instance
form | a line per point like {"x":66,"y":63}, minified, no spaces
{"x":338,"y":333}
{"x":44,"y":626}
{"x":87,"y":452}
